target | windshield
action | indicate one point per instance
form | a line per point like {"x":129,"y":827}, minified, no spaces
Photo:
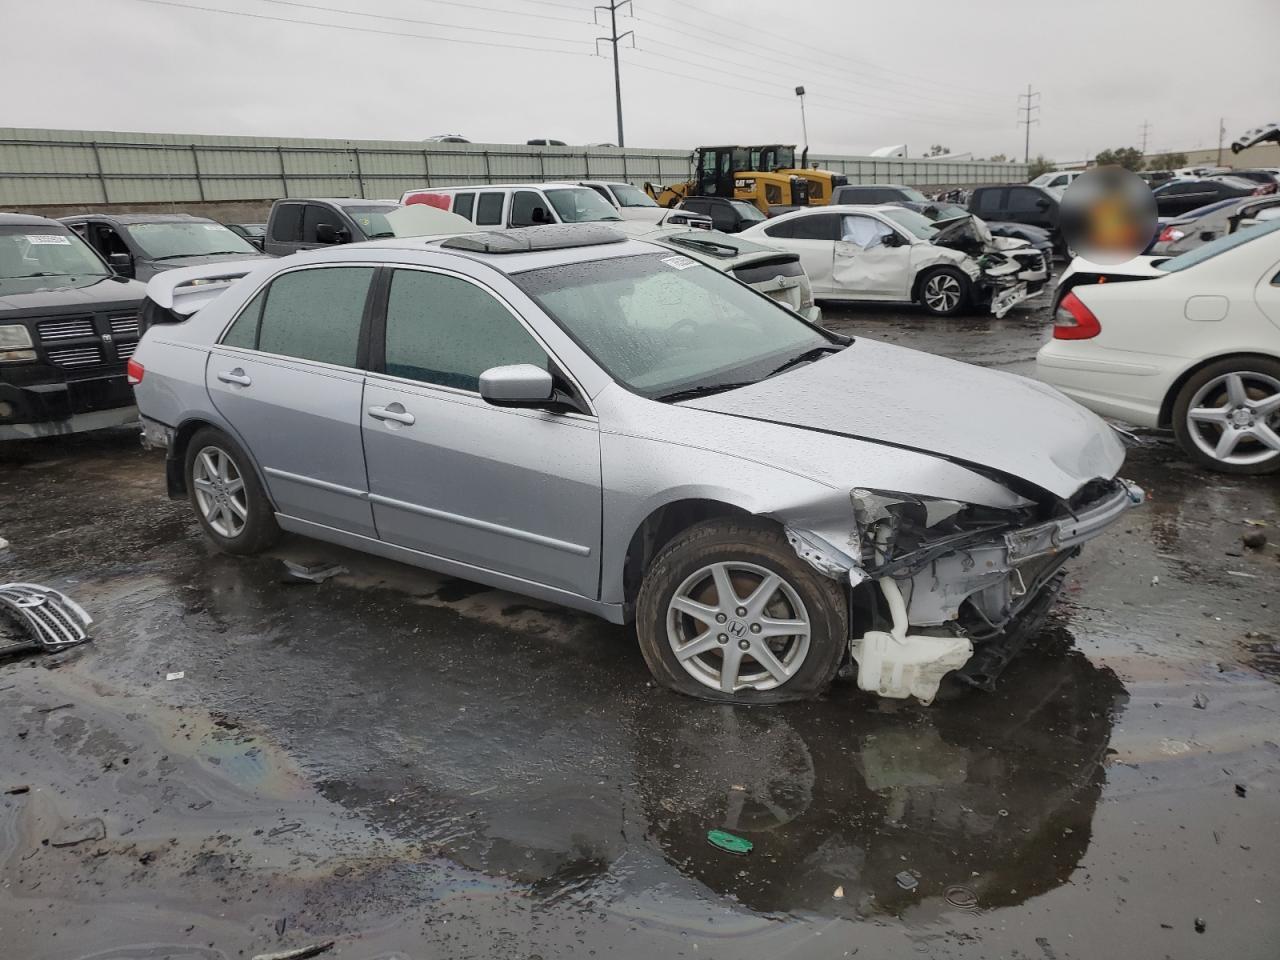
{"x":914,"y":195}
{"x":35,"y":251}
{"x":191,"y":238}
{"x":581,"y":205}
{"x":372,"y":219}
{"x":629,"y":196}
{"x":1221,"y":245}
{"x":916,"y":223}
{"x":944,"y":211}
{"x":663,"y":323}
{"x":747,"y":211}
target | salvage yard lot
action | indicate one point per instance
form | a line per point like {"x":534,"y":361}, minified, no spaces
{"x":417,"y":767}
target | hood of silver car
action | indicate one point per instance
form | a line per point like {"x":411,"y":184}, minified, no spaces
{"x":907,"y":398}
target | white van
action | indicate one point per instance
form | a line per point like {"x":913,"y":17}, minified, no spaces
{"x":518,"y":204}
{"x":632,"y":202}
{"x":1056,"y":179}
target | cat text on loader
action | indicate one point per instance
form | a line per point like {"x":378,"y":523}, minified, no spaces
{"x":727,"y":172}
{"x":781,"y":158}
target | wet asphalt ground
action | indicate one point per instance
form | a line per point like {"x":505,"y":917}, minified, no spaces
{"x":418,"y":767}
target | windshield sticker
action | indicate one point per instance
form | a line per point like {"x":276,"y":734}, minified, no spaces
{"x":678,"y":262}
{"x":37,"y":239}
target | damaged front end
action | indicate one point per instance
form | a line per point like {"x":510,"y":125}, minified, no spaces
{"x":940,"y":586}
{"x":1011,"y":270}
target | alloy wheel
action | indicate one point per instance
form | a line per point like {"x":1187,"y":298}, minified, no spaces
{"x":220,"y":491}
{"x":1235,"y":418}
{"x":735,"y":626}
{"x":942,"y":293}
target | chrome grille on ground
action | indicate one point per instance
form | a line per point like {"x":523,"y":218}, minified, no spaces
{"x":125,"y":350}
{"x":75,"y":356}
{"x":54,"y":330}
{"x":124,"y":326}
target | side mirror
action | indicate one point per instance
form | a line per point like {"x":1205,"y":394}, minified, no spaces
{"x":892,"y":240}
{"x":121,"y":264}
{"x":1043,"y":204}
{"x":517,"y":385}
{"x":540,"y":216}
{"x":328,"y":233}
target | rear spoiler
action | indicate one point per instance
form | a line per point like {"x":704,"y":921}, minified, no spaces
{"x":187,"y":289}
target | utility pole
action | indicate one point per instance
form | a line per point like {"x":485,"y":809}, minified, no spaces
{"x":1222,"y":132}
{"x":803,"y":125}
{"x":1029,"y":96}
{"x":1146,"y":132}
{"x":613,"y":38}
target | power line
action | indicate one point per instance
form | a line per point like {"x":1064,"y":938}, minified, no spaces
{"x":613,"y":7}
{"x":883,"y":112}
{"x":466,"y":5}
{"x":354,"y":29}
{"x":1027,"y":121}
{"x":841,"y":59}
{"x":417,"y":22}
{"x":790,"y":78}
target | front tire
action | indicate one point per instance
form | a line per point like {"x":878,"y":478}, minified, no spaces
{"x":944,"y":291}
{"x":728,"y":612}
{"x":1227,"y":416}
{"x":228,"y":499}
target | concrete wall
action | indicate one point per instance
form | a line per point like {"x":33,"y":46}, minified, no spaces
{"x":75,"y":170}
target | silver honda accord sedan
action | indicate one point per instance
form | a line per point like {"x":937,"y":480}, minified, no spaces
{"x":573,"y":415}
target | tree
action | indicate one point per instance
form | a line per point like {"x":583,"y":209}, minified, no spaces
{"x":999,"y":158}
{"x":1167,"y":161}
{"x":938,"y":150}
{"x":1128,"y":157}
{"x":1038,"y":166}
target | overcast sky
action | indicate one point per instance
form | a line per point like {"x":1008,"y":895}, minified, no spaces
{"x":917,"y":72}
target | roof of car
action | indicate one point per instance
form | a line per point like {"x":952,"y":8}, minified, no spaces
{"x":342,"y":201}
{"x":881,"y":208}
{"x":25,"y":220}
{"x":503,"y":186}
{"x":131,"y":218}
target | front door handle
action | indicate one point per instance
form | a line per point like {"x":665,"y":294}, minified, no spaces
{"x":394,"y":412}
{"x":235,"y":376}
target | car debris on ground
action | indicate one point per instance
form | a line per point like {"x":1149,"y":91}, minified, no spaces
{"x":316,"y":572}
{"x":299,"y":953}
{"x":48,"y":618}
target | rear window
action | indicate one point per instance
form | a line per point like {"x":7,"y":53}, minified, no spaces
{"x":1215,"y":247}
{"x":489,"y":209}
{"x":463,"y":204}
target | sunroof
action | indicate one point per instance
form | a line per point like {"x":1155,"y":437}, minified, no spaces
{"x":528,"y":239}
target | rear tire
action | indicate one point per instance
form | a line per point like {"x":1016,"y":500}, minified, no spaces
{"x":944,"y":291}
{"x":227,"y":496}
{"x":1235,"y":427}
{"x":781,"y":635}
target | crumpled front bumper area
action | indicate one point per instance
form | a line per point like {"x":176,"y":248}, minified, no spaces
{"x":978,"y":595}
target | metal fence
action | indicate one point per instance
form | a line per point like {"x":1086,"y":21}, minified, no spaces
{"x":46,"y":167}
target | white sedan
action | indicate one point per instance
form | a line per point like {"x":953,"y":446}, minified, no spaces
{"x":1195,"y":347}
{"x":890,"y":253}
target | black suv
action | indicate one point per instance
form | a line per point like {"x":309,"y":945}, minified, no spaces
{"x":1020,"y":203}
{"x":68,"y":325}
{"x":876,"y":193}
{"x":727,"y":216}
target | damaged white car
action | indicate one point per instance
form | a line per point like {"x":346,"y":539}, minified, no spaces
{"x":890,"y":253}
{"x":608,"y":424}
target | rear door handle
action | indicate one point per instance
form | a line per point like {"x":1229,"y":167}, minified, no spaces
{"x":235,"y":376}
{"x":393,"y":412}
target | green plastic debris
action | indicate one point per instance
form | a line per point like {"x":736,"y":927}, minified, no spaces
{"x":729,"y":842}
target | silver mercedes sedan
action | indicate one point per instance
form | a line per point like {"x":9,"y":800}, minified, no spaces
{"x":573,"y":415}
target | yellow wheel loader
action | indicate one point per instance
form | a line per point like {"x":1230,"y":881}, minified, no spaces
{"x":781,"y":158}
{"x":728,"y":172}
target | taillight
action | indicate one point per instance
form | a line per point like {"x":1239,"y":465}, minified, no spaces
{"x":1074,"y":321}
{"x":1263,"y":189}
{"x":1170,"y":234}
{"x":133,"y":371}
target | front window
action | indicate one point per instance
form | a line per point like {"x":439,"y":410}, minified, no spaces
{"x":747,"y":211}
{"x":1215,"y":247}
{"x":178,"y":239}
{"x":373,"y":220}
{"x":629,"y":196}
{"x":661,"y":324}
{"x":581,"y":205}
{"x":38,"y":256}
{"x":915,"y":223}
{"x":912,"y":194}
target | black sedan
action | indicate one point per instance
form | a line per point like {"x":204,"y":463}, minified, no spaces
{"x":1181,"y":196}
